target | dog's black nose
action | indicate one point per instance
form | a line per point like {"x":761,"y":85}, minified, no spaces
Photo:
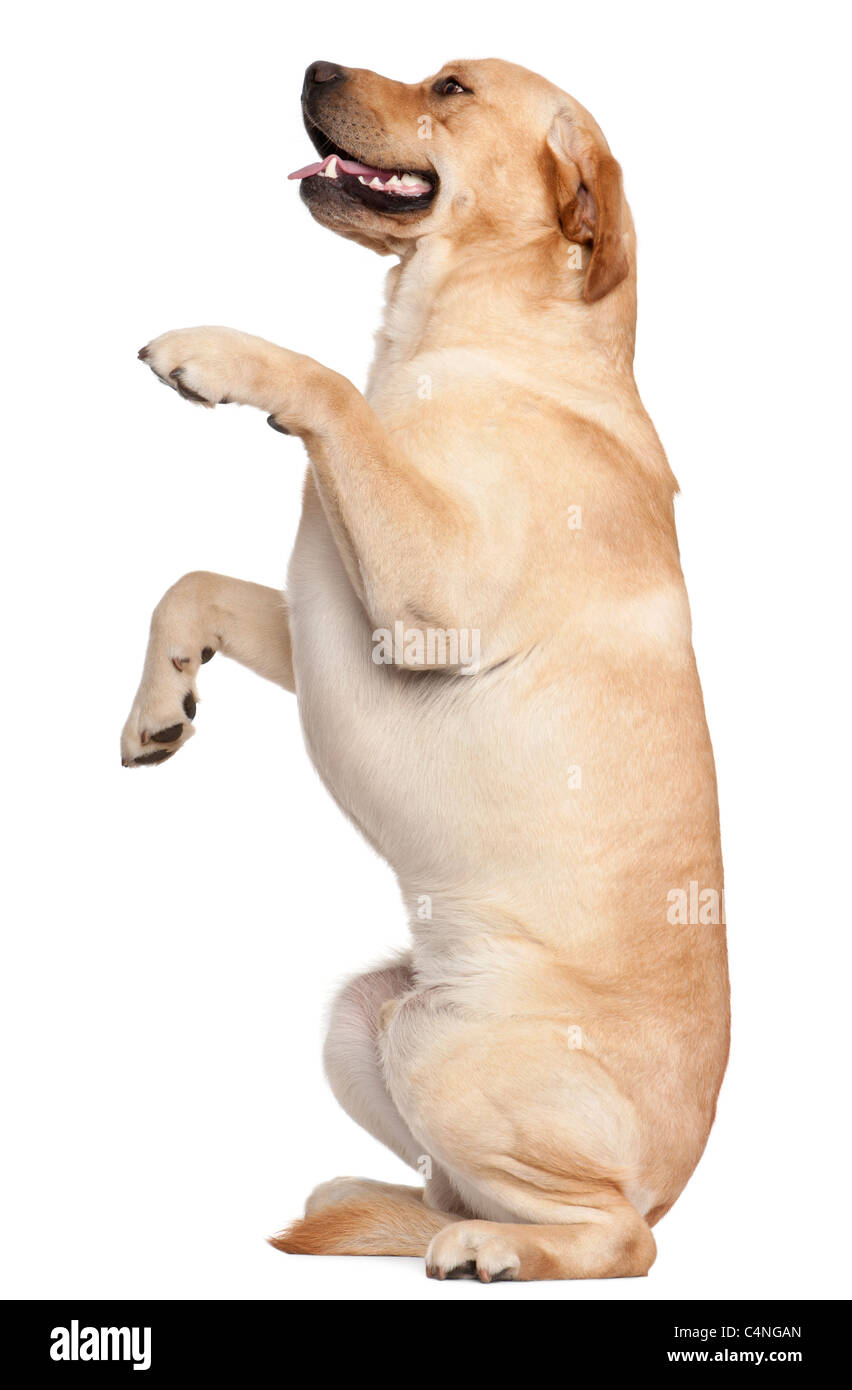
{"x":319,"y":74}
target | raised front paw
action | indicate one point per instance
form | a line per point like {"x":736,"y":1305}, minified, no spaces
{"x":160,"y":721}
{"x":211,"y":366}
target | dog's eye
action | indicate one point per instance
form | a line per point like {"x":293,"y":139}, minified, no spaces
{"x":449,"y":86}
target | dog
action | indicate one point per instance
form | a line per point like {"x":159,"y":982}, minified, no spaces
{"x":487,"y":631}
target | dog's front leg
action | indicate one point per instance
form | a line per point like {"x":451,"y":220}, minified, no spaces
{"x":200,"y":615}
{"x":412,"y":551}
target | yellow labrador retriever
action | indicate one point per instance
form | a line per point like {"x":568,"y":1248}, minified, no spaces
{"x":488,"y":634}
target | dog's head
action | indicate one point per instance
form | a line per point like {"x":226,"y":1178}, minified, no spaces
{"x":483,"y":151}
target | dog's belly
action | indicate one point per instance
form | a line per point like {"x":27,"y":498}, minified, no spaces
{"x":403,"y":753}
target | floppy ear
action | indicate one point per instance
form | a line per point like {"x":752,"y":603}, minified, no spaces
{"x":588,"y":193}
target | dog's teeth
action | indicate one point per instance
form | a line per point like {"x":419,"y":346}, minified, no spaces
{"x":408,"y":180}
{"x":393,"y":182}
{"x":331,"y":168}
{"x":361,"y":179}
{"x":376,"y":183}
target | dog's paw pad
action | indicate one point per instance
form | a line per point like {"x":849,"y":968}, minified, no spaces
{"x":169,"y":735}
{"x":150,"y":759}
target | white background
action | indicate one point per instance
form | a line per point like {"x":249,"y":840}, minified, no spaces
{"x":172,"y":936}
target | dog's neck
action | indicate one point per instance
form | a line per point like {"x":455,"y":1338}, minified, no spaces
{"x":540,"y":283}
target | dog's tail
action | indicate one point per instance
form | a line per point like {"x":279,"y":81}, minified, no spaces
{"x":364,"y":1225}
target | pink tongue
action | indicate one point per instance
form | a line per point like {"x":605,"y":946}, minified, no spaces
{"x":364,"y":171}
{"x":347,"y":165}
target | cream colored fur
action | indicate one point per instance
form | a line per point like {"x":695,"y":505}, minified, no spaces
{"x":553,"y":1044}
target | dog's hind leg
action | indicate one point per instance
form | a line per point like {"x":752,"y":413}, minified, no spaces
{"x":352,"y":1062}
{"x":200,"y":615}
{"x":355,"y":1216}
{"x":607,"y":1240}
{"x":536,"y":1135}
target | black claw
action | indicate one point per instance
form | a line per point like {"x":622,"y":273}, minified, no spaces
{"x":169,"y":735}
{"x":273,"y":424}
{"x":465,"y":1271}
{"x":189,"y":705}
{"x":159,"y":757}
{"x":186,"y":391}
{"x":207,"y":654}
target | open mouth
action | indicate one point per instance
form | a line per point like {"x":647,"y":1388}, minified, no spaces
{"x":393,"y":191}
